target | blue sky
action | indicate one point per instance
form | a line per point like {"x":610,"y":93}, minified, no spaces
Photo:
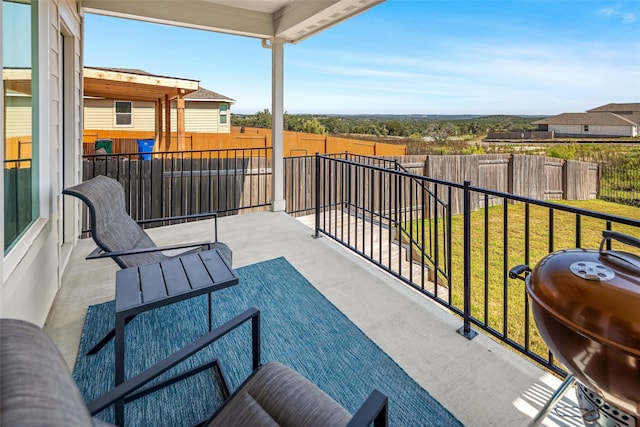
{"x":408,"y":57}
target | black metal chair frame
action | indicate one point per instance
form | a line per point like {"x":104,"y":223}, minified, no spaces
{"x":102,"y":250}
{"x":373,"y":410}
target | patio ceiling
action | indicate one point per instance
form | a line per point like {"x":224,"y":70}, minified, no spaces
{"x":287,"y":20}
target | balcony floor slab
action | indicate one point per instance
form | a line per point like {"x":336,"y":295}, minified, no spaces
{"x":481,"y":382}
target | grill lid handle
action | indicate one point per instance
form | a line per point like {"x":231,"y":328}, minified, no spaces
{"x":622,"y":259}
{"x":620,"y":237}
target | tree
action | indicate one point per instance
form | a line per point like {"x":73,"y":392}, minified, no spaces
{"x":263,"y":119}
{"x":313,"y":126}
{"x":439,"y":131}
{"x":335,"y":125}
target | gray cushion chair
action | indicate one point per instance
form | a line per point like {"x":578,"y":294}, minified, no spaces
{"x":121,"y":238}
{"x":37,"y":388}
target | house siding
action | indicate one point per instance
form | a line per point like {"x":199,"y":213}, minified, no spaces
{"x":594,"y":130}
{"x":18,"y":113}
{"x":31,"y":271}
{"x":200,"y":116}
{"x":100,"y":115}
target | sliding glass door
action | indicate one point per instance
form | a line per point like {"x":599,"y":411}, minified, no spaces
{"x":19,"y":73}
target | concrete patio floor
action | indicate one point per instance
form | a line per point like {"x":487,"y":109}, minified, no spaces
{"x":481,"y":382}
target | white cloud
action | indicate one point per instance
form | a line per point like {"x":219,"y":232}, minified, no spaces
{"x":608,"y":11}
{"x":524,"y":78}
{"x":614,"y":12}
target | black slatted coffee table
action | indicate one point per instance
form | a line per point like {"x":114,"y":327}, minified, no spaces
{"x":143,"y":288}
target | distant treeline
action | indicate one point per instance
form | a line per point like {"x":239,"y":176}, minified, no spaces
{"x":434,"y":127}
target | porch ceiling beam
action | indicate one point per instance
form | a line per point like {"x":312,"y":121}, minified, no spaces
{"x":303,"y":18}
{"x":121,"y":85}
{"x":288,"y":20}
{"x":17,"y":80}
{"x":144,"y":79}
{"x":195,"y":14}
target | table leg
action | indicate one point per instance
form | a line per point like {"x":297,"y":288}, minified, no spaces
{"x":119,"y":366}
{"x":209,"y":301}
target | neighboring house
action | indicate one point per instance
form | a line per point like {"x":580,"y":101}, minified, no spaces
{"x":205,"y":111}
{"x":44,"y":41}
{"x":611,"y":120}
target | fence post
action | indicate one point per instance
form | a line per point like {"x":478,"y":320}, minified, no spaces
{"x":317,"y":228}
{"x":466,"y":330}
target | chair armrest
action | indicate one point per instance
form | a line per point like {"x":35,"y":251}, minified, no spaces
{"x":131,"y":385}
{"x":98,"y":253}
{"x":374,"y":410}
{"x":212,"y":214}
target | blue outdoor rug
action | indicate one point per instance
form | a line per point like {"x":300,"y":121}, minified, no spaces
{"x":299,"y":327}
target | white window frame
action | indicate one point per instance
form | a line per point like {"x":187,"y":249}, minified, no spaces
{"x":224,"y":113}
{"x":116,"y":114}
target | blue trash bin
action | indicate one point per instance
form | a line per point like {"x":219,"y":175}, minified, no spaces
{"x":145,"y":146}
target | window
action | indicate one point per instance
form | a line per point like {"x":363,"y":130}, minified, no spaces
{"x":21,"y":165}
{"x":223,"y":114}
{"x":123,"y":113}
{"x":585,"y":128}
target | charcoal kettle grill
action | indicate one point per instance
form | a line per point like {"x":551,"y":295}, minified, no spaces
{"x":586,"y":304}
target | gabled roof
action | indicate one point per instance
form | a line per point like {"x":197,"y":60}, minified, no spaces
{"x":203,"y":94}
{"x":287,"y":20}
{"x":629,"y":107}
{"x":603,"y":119}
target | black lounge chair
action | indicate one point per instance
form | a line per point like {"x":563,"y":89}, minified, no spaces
{"x":121,"y":238}
{"x":38,"y":389}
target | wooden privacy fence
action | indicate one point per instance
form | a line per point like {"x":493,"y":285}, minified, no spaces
{"x":229,"y":181}
{"x":537,"y":177}
{"x":170,"y":187}
{"x":18,"y":148}
{"x":295,"y":143}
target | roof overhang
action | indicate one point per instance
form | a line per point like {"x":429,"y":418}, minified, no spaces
{"x":286,"y":20}
{"x":111,"y":84}
{"x":17,"y":80}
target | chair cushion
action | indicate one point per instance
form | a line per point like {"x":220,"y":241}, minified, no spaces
{"x":36,"y":387}
{"x":276,"y":395}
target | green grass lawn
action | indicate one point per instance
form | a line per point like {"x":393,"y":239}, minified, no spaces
{"x":488,"y":301}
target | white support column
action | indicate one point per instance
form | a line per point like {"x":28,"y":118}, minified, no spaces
{"x":278,"y":203}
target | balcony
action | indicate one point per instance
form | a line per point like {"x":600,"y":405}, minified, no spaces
{"x":387,"y":237}
{"x":480,"y":381}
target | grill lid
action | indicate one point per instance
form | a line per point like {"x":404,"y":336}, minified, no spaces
{"x":595,"y":293}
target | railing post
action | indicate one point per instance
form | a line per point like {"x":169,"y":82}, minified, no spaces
{"x":466,"y":330}
{"x":317,"y":228}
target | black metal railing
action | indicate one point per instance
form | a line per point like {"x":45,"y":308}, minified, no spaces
{"x":396,"y":220}
{"x":18,"y":199}
{"x":453,"y":242}
{"x":358,"y":204}
{"x":300,"y":190}
{"x":185,"y":184}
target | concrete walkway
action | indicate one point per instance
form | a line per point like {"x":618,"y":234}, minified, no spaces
{"x":479,"y":381}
